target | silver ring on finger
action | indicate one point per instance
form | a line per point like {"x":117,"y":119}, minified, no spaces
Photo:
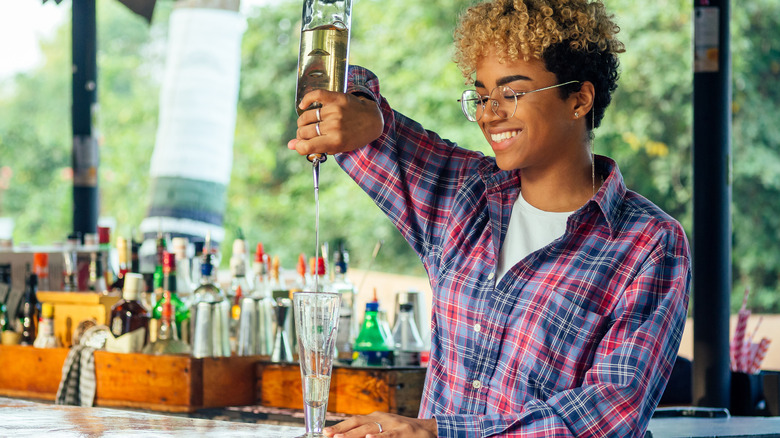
{"x":317,"y":128}
{"x":319,"y":116}
{"x":379,"y":426}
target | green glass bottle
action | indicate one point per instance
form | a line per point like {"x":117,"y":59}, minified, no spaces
{"x":181,"y":311}
{"x":372,"y":346}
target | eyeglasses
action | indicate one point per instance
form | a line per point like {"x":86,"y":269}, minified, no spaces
{"x":503,"y":104}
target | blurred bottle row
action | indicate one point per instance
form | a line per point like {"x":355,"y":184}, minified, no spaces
{"x":179,"y":307}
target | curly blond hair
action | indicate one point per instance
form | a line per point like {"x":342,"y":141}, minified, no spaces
{"x":576,"y":39}
{"x":524,"y":29}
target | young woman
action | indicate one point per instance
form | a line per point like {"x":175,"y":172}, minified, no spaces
{"x":559,"y":295}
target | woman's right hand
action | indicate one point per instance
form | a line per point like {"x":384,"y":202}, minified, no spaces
{"x":346,"y":122}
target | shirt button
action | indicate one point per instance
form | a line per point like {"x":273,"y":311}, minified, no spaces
{"x":477,"y":328}
{"x":491,"y":275}
{"x":476,"y":384}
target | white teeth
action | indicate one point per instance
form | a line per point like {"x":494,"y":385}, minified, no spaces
{"x":503,"y":136}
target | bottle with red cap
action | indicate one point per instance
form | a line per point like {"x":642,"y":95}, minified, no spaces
{"x":319,"y":281}
{"x":41,"y":269}
{"x":168,"y":341}
{"x":181,"y":312}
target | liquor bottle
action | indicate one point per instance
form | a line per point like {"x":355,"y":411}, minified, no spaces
{"x":96,"y":281}
{"x":70,"y":265}
{"x":157,"y":278}
{"x":373,"y":347}
{"x":208,"y":290}
{"x":261,"y":270}
{"x":181,"y":311}
{"x":168,"y":341}
{"x":348,"y":309}
{"x":324,"y":47}
{"x":46,"y":337}
{"x":318,"y":281}
{"x":122,"y":257}
{"x":129,"y":317}
{"x":262,"y":294}
{"x":29,"y":314}
{"x":183,"y":268}
{"x":239,"y":285}
{"x":408,"y":343}
{"x":41,"y":269}
{"x":104,"y":251}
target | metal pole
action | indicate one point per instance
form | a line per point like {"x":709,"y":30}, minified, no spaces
{"x":711,"y":203}
{"x":85,"y":152}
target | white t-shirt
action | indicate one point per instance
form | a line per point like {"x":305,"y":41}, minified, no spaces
{"x":529,"y":230}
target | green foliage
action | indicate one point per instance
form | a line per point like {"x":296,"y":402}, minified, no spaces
{"x":408,"y":45}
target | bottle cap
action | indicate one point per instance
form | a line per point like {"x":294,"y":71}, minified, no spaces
{"x":90,"y":239}
{"x":47,"y":310}
{"x":134,"y":285}
{"x":104,"y":235}
{"x":169,"y":261}
{"x":259,"y":253}
{"x":121,"y":249}
{"x":179,"y":245}
{"x":41,"y":263}
{"x":239,"y":247}
{"x":301,"y":265}
{"x":372,"y":306}
{"x":206,"y":268}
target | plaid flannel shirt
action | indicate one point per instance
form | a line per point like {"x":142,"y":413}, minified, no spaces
{"x":577,"y":339}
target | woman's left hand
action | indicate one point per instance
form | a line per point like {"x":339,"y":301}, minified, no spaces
{"x":384,"y":425}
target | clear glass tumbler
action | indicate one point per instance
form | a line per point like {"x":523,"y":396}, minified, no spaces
{"x":316,"y":321}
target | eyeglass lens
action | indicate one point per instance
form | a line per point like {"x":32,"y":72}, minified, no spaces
{"x":502,"y":100}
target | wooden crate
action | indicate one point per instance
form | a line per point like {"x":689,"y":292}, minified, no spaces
{"x":70,"y":308}
{"x":161,"y":383}
{"x":353,"y":390}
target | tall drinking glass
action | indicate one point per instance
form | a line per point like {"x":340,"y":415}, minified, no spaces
{"x":316,"y":321}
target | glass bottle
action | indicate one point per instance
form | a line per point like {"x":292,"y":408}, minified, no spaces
{"x":104,"y":251}
{"x":29,"y":313}
{"x":168,"y":341}
{"x":157,"y":279}
{"x":372,"y":346}
{"x":46,"y":337}
{"x":324,"y":47}
{"x":408,"y":343}
{"x":41,"y":269}
{"x":184,"y":283}
{"x":122,"y":253}
{"x":128,"y":315}
{"x":261,"y":270}
{"x":180,"y":309}
{"x":208,"y":289}
{"x":318,"y":281}
{"x":346,"y":289}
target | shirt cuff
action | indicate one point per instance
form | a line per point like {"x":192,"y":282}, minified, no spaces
{"x":458,"y":426}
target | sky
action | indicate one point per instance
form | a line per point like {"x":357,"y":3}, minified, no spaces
{"x":23,"y":22}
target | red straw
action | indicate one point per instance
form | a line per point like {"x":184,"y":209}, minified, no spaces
{"x":737,"y":350}
{"x":758,"y":357}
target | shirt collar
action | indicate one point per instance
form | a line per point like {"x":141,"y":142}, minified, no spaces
{"x":607,"y":200}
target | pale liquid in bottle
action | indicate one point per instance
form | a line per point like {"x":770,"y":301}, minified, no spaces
{"x":322,"y":62}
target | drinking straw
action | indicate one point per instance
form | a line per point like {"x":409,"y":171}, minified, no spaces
{"x":758,"y":358}
{"x":736,"y":350}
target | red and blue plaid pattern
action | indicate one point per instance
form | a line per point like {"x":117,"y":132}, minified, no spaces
{"x":577,"y":339}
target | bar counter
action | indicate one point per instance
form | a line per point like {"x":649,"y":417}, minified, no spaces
{"x":19,"y":418}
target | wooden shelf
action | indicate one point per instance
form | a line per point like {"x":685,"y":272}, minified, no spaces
{"x":161,"y":383}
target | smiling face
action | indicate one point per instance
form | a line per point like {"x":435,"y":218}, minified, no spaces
{"x":543,"y":130}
